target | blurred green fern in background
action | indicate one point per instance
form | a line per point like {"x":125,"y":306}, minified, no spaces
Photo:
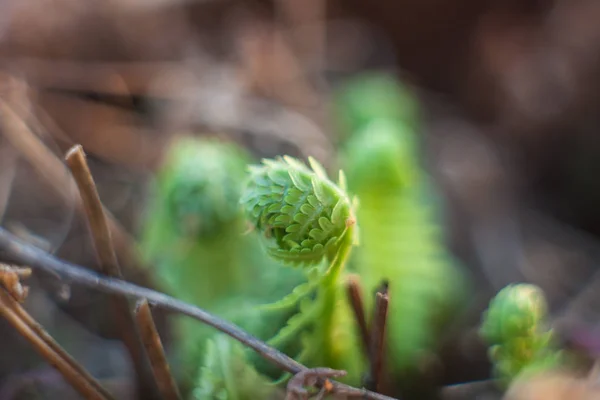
{"x":402,"y":235}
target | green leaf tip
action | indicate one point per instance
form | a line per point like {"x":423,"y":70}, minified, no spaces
{"x":301,"y":214}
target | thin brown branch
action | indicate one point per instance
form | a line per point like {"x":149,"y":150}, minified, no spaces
{"x":83,"y":383}
{"x":36,"y":328}
{"x":312,"y":377}
{"x":109,"y":265}
{"x":49,"y":166}
{"x":354,"y":292}
{"x":26,"y":254}
{"x":154,"y":348}
{"x":10,"y":280}
{"x":76,"y":160}
{"x":376,"y":348}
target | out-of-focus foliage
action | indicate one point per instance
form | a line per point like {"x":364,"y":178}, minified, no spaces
{"x":196,"y":239}
{"x":402,"y":237}
{"x":514,"y":325}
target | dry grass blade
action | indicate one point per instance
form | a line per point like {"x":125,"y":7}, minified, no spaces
{"x":158,"y":360}
{"x":45,"y":336}
{"x":76,"y":161}
{"x":43,"y":343}
{"x":10,"y":279}
{"x":376,"y":350}
{"x":48,"y":165}
{"x":109,"y":265}
{"x":354,"y":291}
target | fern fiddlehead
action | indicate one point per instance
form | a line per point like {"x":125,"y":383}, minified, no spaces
{"x":193,"y":237}
{"x":402,"y":240}
{"x":194,"y":218}
{"x":515,"y":327}
{"x":305,"y":220}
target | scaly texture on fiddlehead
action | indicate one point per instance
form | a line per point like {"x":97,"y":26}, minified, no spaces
{"x":305,"y":219}
{"x":302,"y":216}
{"x":402,"y":237}
{"x":515,"y":327}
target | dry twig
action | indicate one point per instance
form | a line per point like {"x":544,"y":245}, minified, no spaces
{"x":154,"y":348}
{"x":29,"y":255}
{"x":354,"y":291}
{"x":43,"y":343}
{"x":376,"y":348}
{"x":10,"y":279}
{"x":312,"y":377}
{"x":48,"y":165}
{"x":109,"y":265}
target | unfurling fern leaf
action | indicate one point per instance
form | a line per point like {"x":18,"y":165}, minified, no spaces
{"x":194,"y":220}
{"x":194,"y":239}
{"x":515,"y":327}
{"x":303,"y":217}
{"x":402,"y":239}
{"x":306,"y":220}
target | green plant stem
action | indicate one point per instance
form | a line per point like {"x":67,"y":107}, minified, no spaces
{"x":332,"y":277}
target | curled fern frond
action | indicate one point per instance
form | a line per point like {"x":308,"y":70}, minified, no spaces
{"x":201,"y":184}
{"x":305,"y":219}
{"x":514,"y":326}
{"x":302,"y":216}
{"x":516,"y":311}
{"x":192,"y":237}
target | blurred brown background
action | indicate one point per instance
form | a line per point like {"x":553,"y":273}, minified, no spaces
{"x":510,"y":90}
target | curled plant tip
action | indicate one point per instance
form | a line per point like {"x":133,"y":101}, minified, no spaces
{"x":200,"y":183}
{"x":10,"y":279}
{"x":517,"y":310}
{"x":303,"y":217}
{"x":514,"y":326}
{"x":310,"y":377}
